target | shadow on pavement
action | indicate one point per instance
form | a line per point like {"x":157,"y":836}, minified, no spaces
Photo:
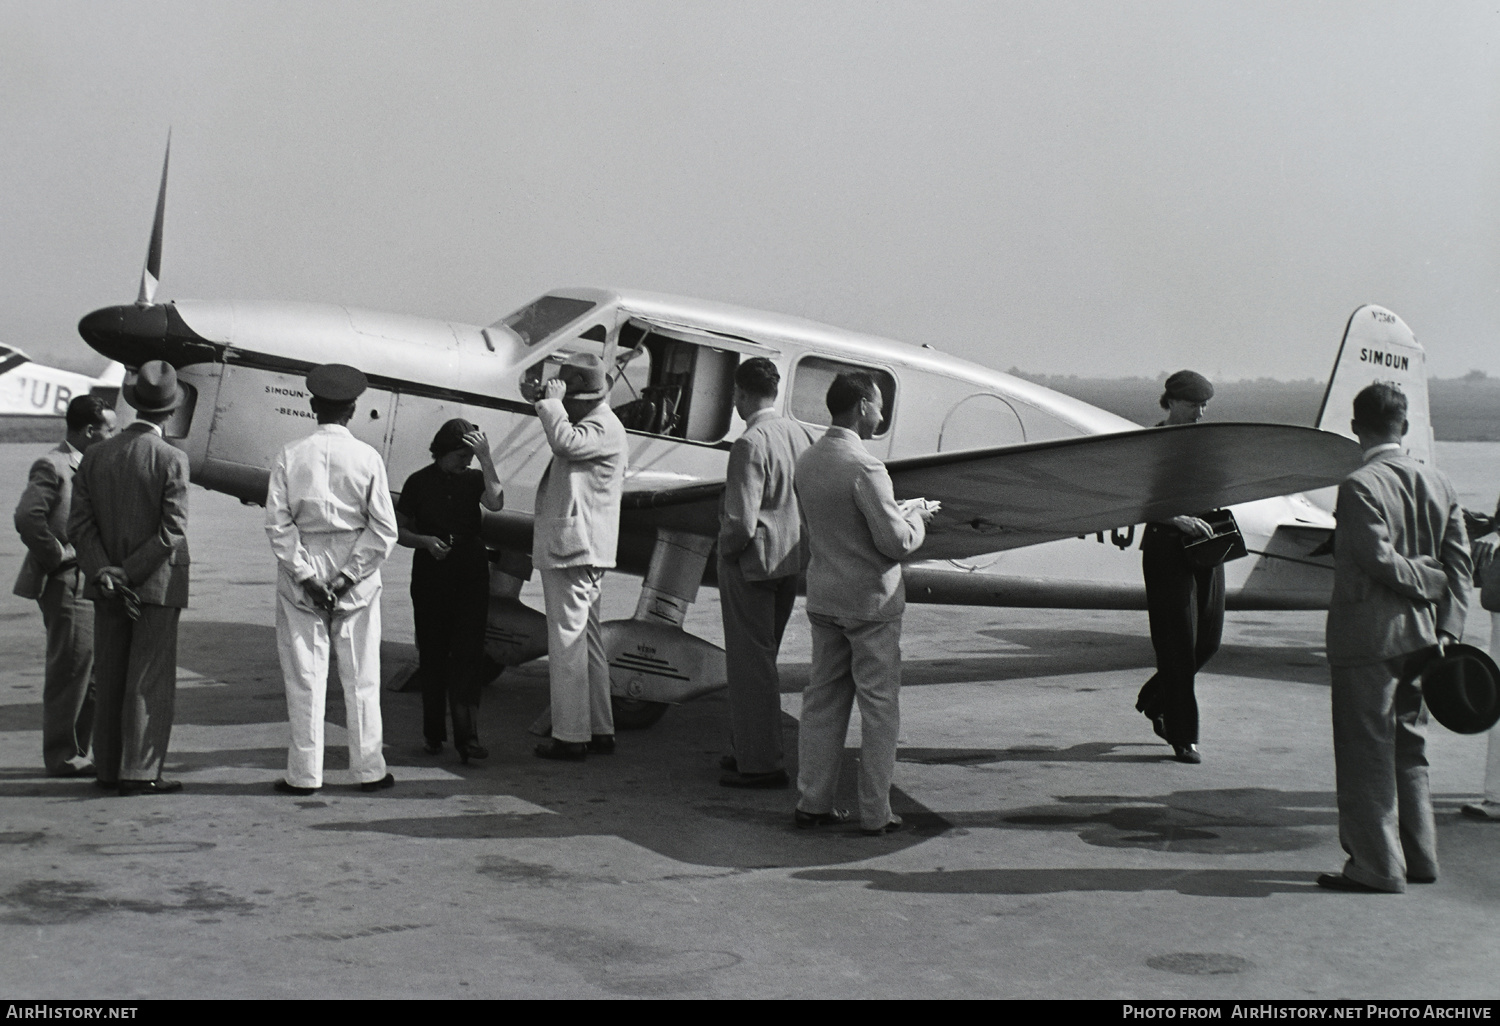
{"x":661,"y":789}
{"x":1210,"y":883}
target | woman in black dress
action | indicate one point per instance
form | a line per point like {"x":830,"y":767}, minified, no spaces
{"x":1185,"y":601}
{"x":439,"y":516}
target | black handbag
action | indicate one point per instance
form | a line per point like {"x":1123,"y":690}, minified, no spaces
{"x":1224,"y":544}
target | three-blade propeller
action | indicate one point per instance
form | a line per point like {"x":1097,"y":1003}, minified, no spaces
{"x":151,"y":274}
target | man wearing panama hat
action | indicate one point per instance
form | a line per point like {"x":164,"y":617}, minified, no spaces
{"x":577,"y":526}
{"x":129,"y":526}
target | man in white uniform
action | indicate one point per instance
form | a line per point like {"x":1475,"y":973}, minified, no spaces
{"x":577,"y":526}
{"x":331,"y":525}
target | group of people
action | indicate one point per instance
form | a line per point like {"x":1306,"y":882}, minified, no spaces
{"x":104,"y":519}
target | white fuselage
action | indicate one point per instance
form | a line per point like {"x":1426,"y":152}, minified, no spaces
{"x":674,"y":395}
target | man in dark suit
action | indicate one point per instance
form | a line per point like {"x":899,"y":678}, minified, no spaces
{"x":1400,"y":584}
{"x":129,"y":525}
{"x":760,"y":556}
{"x":50,"y":575}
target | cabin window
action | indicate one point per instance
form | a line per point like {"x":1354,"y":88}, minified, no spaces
{"x":543,"y":318}
{"x":665,"y":383}
{"x":810,"y":381}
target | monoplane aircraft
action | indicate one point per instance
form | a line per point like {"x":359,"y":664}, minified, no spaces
{"x":1040,"y":492}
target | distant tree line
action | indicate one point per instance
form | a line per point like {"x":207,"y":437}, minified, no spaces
{"x":1465,"y":409}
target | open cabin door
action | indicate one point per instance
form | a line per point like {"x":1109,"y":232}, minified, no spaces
{"x":677,"y":382}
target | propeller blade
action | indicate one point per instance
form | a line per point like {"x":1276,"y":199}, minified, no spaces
{"x":151,"y":275}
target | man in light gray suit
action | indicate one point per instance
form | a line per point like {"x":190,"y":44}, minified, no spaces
{"x":857,"y":534}
{"x":50,"y":575}
{"x":760,"y":556}
{"x":129,"y":525}
{"x":574,"y":535}
{"x":1400,"y":585}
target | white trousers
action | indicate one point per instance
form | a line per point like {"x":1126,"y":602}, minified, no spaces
{"x":1492,"y":764}
{"x":575,"y":653}
{"x":303,"y":641}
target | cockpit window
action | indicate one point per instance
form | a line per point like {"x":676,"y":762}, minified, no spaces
{"x":531,"y":324}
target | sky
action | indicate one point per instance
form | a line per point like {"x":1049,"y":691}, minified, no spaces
{"x":1091,"y":188}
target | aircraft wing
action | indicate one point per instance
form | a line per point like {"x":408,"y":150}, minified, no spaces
{"x":1017,"y":495}
{"x":995,"y":499}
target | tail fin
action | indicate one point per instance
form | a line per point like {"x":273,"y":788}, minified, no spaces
{"x":1378,"y":346}
{"x":112,"y":376}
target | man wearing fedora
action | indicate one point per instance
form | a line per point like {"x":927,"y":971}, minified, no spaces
{"x":128,"y":525}
{"x":1400,"y":584}
{"x":50,"y":574}
{"x":577,"y":526}
{"x":331,"y":524}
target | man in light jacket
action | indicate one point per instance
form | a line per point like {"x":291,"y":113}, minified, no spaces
{"x":331,"y":524}
{"x":576,"y":528}
{"x":760,"y":557}
{"x":1400,"y":583}
{"x":50,"y":574}
{"x":858,"y":534}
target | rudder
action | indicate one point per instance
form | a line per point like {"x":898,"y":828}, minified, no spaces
{"x":1378,"y":346}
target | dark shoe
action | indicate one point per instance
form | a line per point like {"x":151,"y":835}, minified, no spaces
{"x":129,"y":788}
{"x":890,"y":828}
{"x":1421,"y":879}
{"x":729,"y":764}
{"x":1340,"y":882}
{"x":382,"y":784}
{"x":562,"y":751}
{"x":1188,"y":754}
{"x":282,"y":787}
{"x":69,"y":770}
{"x":602,"y":744}
{"x":775,"y":780}
{"x":1483,"y":810}
{"x":833,"y":817}
{"x":471,"y":750}
{"x":432,"y":747}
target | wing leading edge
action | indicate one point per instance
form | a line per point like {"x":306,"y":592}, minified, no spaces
{"x":1017,"y":495}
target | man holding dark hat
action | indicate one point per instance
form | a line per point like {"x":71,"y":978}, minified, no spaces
{"x":1400,"y":584}
{"x":128,"y":525}
{"x":1185,"y":602}
{"x":577,"y":526}
{"x":331,"y":525}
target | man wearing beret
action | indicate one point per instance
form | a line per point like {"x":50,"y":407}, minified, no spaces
{"x":331,"y":525}
{"x":1401,"y":574}
{"x":128,"y":525}
{"x":577,"y":526}
{"x":1185,"y":602}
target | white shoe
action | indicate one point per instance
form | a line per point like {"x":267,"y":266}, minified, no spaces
{"x":1483,"y":810}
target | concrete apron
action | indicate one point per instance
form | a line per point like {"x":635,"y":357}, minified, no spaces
{"x":1052,"y":849}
